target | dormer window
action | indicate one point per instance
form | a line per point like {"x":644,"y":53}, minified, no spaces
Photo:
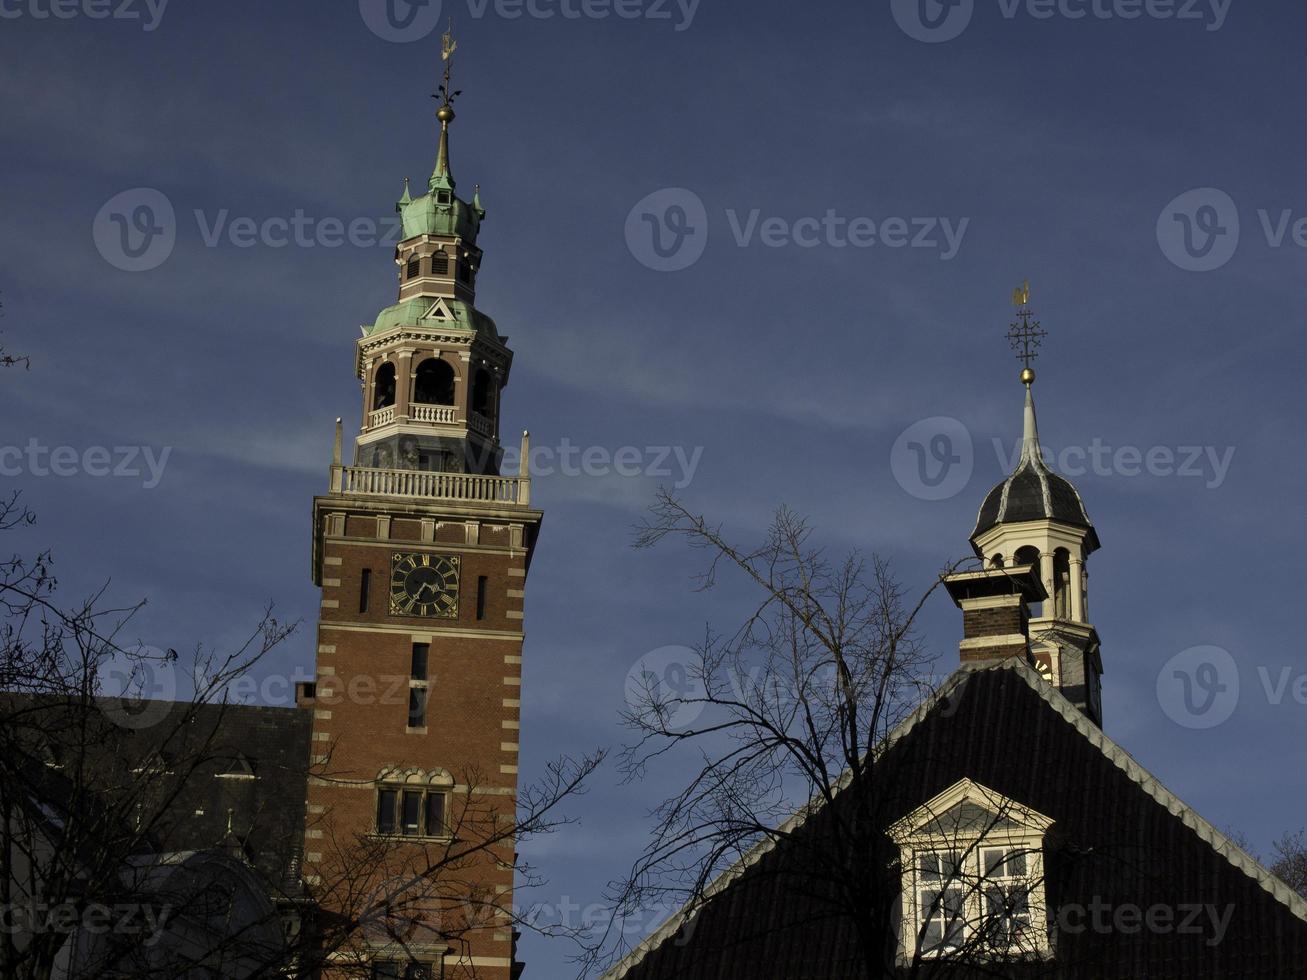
{"x":973,"y":877}
{"x":442,"y":197}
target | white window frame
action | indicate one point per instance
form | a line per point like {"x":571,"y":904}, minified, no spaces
{"x":919,"y":837}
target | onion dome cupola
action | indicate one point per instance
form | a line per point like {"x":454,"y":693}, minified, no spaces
{"x":433,"y":365}
{"x":1035,"y":518}
{"x":1033,"y":492}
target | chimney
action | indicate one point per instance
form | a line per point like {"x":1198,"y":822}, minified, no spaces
{"x":995,"y":606}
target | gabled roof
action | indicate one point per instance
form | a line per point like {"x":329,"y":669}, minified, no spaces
{"x":945,"y":698}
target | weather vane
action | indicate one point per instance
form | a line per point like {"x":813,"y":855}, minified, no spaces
{"x":1026,"y":335}
{"x":447,"y":47}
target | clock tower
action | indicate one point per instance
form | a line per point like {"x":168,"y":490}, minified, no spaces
{"x":421,"y":547}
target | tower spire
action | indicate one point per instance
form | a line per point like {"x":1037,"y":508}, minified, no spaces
{"x":443,"y":175}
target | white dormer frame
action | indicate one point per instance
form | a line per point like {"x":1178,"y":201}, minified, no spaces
{"x":1016,"y":830}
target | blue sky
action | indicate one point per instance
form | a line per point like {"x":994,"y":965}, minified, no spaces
{"x":1057,"y":143}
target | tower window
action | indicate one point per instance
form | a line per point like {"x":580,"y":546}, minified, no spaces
{"x":386,"y":811}
{"x":440,"y":264}
{"x":414,"y":804}
{"x":435,"y":815}
{"x":433,"y":383}
{"x":481,"y":597}
{"x":483,"y":394}
{"x":464,"y":271}
{"x":442,"y":197}
{"x":413,"y":269}
{"x":410,"y":824}
{"x":365,"y":587}
{"x":421,"y":652}
{"x":417,"y":707}
{"x":384,"y":386}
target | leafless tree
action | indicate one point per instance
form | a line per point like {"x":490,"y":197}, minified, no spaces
{"x":785,"y":714}
{"x":1290,"y":862}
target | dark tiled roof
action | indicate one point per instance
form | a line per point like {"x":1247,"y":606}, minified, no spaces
{"x":214,"y":767}
{"x":253,"y":763}
{"x":1032,"y":493}
{"x":1118,"y":837}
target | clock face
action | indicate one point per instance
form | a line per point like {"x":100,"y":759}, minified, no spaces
{"x":424,"y":585}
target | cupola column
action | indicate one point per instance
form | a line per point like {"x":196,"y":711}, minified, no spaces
{"x":404,"y":384}
{"x":1078,"y":612}
{"x":1046,"y":576}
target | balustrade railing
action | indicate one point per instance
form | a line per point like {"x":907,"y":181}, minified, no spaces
{"x":430,"y":485}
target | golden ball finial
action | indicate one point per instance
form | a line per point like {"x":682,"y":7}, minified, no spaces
{"x":445,"y":114}
{"x":1028,"y":377}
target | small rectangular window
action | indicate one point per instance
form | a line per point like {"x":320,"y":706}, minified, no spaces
{"x":421,"y":653}
{"x":435,"y":815}
{"x":417,"y":707}
{"x":386,"y":811}
{"x":365,"y":587}
{"x":411,"y":806}
{"x":481,"y":596}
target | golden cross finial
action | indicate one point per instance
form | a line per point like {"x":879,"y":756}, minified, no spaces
{"x":1026,"y":335}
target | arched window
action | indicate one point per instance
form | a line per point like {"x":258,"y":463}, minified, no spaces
{"x":411,"y":803}
{"x":996,"y":561}
{"x":434,"y":383}
{"x":1062,"y":583}
{"x":483,"y":394}
{"x":1029,"y":555}
{"x":413,"y":268}
{"x":384,"y":387}
{"x":440,"y":264}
